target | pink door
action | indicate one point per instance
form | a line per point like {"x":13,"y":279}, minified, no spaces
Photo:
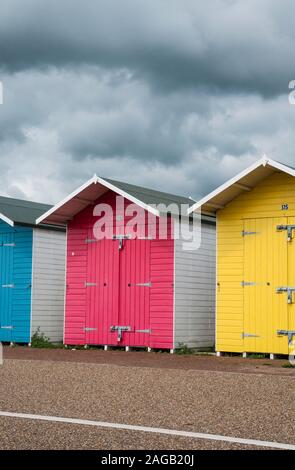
{"x":102,"y":290}
{"x":118,"y":292}
{"x":133,"y":327}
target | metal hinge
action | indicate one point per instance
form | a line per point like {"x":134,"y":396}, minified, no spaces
{"x":90,"y":240}
{"x":144,"y":284}
{"x":10,"y":286}
{"x":8,"y":244}
{"x":249,"y":335}
{"x":144,"y":331}
{"x":289,"y":229}
{"x":89,"y":329}
{"x":6,"y":327}
{"x":244,"y":233}
{"x":289,"y":291}
{"x":244,"y":283}
{"x":89,"y":284}
{"x":289,"y":333}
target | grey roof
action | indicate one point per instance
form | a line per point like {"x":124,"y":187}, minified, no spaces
{"x":22,"y":212}
{"x":285,"y":164}
{"x":150,"y":196}
{"x":94,"y":188}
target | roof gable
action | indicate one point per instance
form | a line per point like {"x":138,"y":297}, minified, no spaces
{"x":243,"y":181}
{"x":96,"y":187}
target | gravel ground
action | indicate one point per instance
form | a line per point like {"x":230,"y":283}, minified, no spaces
{"x":256,"y":406}
{"x":153,"y":360}
{"x":31,"y":435}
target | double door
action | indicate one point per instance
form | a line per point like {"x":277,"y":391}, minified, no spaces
{"x":269,"y":285}
{"x":118,"y":291}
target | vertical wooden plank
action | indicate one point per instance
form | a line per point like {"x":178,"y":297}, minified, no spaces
{"x":76,"y":293}
{"x":138,"y":262}
{"x":291,"y":282}
{"x":265,"y":264}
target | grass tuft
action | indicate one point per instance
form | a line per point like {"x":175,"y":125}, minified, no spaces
{"x":39,"y":340}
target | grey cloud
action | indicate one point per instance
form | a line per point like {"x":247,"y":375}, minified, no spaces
{"x":74,"y":123}
{"x":96,"y":114}
{"x":228,"y":45}
{"x":162,"y":93}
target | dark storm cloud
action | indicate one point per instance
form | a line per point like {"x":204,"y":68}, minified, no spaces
{"x":103,"y":114}
{"x":222,"y":44}
{"x":72,"y":123}
{"x":165,"y":93}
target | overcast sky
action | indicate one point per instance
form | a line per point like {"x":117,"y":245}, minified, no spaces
{"x":178,"y":95}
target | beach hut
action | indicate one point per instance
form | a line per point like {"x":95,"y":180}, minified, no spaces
{"x":32,"y":270}
{"x":255,"y":217}
{"x":144,"y":290}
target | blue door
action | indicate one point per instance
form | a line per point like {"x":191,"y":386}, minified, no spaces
{"x":6,"y":285}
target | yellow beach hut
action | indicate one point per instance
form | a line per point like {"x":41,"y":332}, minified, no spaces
{"x":255,"y":281}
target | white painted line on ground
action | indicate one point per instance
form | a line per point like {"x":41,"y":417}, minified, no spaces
{"x":130,"y":427}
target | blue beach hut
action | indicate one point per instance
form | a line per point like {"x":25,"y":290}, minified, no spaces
{"x":32,"y":273}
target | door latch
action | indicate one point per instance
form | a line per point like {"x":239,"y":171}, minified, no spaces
{"x":121,"y":238}
{"x":289,"y":229}
{"x":289,"y":333}
{"x":289,"y":291}
{"x":120,"y":330}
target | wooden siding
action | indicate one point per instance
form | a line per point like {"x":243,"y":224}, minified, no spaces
{"x":48,"y":283}
{"x":76,"y":275}
{"x":195,"y":291}
{"x":78,"y":297}
{"x":264,"y":201}
{"x":162,"y":292}
{"x":19,"y":273}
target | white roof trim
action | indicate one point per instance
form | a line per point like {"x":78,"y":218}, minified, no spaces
{"x":94,"y":180}
{"x":7,"y":220}
{"x":66,"y":199}
{"x":114,"y":188}
{"x":262,"y":162}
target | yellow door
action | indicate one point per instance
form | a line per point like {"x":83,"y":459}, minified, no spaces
{"x":265,"y":269}
{"x":289,"y":296}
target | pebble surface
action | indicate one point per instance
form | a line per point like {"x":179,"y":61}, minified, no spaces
{"x":252,"y":406}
